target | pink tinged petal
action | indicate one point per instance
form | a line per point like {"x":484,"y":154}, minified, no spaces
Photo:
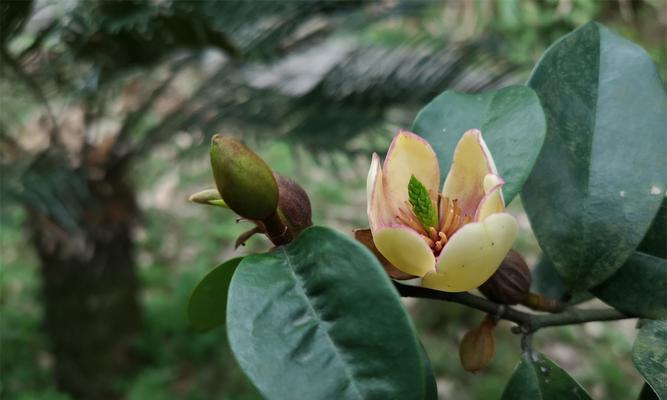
{"x":473,"y":254}
{"x":409,"y":155}
{"x":376,"y":204}
{"x":493,"y":201}
{"x":405,"y":249}
{"x":472,"y":161}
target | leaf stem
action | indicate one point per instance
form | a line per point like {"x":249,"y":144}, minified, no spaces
{"x":527,"y":323}
{"x":276,"y":230}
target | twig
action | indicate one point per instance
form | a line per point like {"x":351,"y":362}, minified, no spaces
{"x":527,"y":343}
{"x":528,"y":322}
{"x":575,"y":316}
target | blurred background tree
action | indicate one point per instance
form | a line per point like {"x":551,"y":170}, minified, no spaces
{"x":106,"y":112}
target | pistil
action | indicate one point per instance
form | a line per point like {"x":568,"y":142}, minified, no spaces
{"x":436,"y":238}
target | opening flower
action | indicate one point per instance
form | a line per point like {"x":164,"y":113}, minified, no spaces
{"x":455,"y":239}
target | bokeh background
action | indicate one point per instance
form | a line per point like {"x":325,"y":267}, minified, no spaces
{"x":107,"y":109}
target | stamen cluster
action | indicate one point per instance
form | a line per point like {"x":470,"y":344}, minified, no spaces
{"x":436,"y":238}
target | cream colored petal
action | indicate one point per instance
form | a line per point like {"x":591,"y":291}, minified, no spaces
{"x":473,"y":254}
{"x":472,"y":161}
{"x":493,"y":201}
{"x":365,"y":237}
{"x":409,"y":155}
{"x":376,"y":204}
{"x":405,"y":249}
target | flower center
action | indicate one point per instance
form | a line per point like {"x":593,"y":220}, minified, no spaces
{"x":450,"y":220}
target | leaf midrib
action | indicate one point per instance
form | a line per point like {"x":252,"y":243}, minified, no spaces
{"x":299,"y":283}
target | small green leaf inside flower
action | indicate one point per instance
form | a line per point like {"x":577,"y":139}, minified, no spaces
{"x":421,"y":203}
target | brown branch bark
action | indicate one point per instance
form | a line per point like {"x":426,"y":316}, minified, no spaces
{"x":527,"y":322}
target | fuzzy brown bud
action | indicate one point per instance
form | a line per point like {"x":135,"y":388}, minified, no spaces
{"x":293,"y":205}
{"x":478,"y":346}
{"x":510,"y":284}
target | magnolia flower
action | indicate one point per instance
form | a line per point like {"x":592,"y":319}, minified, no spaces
{"x":454,"y":240}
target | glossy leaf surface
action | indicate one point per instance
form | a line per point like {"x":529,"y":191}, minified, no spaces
{"x":639,"y":287}
{"x":319,"y":319}
{"x":600,"y":177}
{"x":510,"y":119}
{"x":430,"y":384}
{"x":208,"y":301}
{"x":549,"y":283}
{"x":537,"y":377}
{"x":649,"y":353}
{"x":655,"y":240}
{"x":647,"y":393}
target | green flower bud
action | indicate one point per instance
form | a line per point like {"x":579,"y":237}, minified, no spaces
{"x":244,"y":180}
{"x":293,"y":205}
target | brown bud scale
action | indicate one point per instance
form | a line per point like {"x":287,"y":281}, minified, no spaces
{"x":293,"y":205}
{"x":510,"y":284}
{"x":478,"y":346}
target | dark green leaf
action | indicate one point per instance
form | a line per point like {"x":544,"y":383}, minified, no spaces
{"x":647,"y":393}
{"x":510,"y":119}
{"x":537,"y":377}
{"x":548,"y":282}
{"x":430,"y":385}
{"x":655,"y":240}
{"x":600,"y":177}
{"x":639,"y":287}
{"x":208,"y":301}
{"x":421,"y":203}
{"x":649,"y":353}
{"x":319,"y":319}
